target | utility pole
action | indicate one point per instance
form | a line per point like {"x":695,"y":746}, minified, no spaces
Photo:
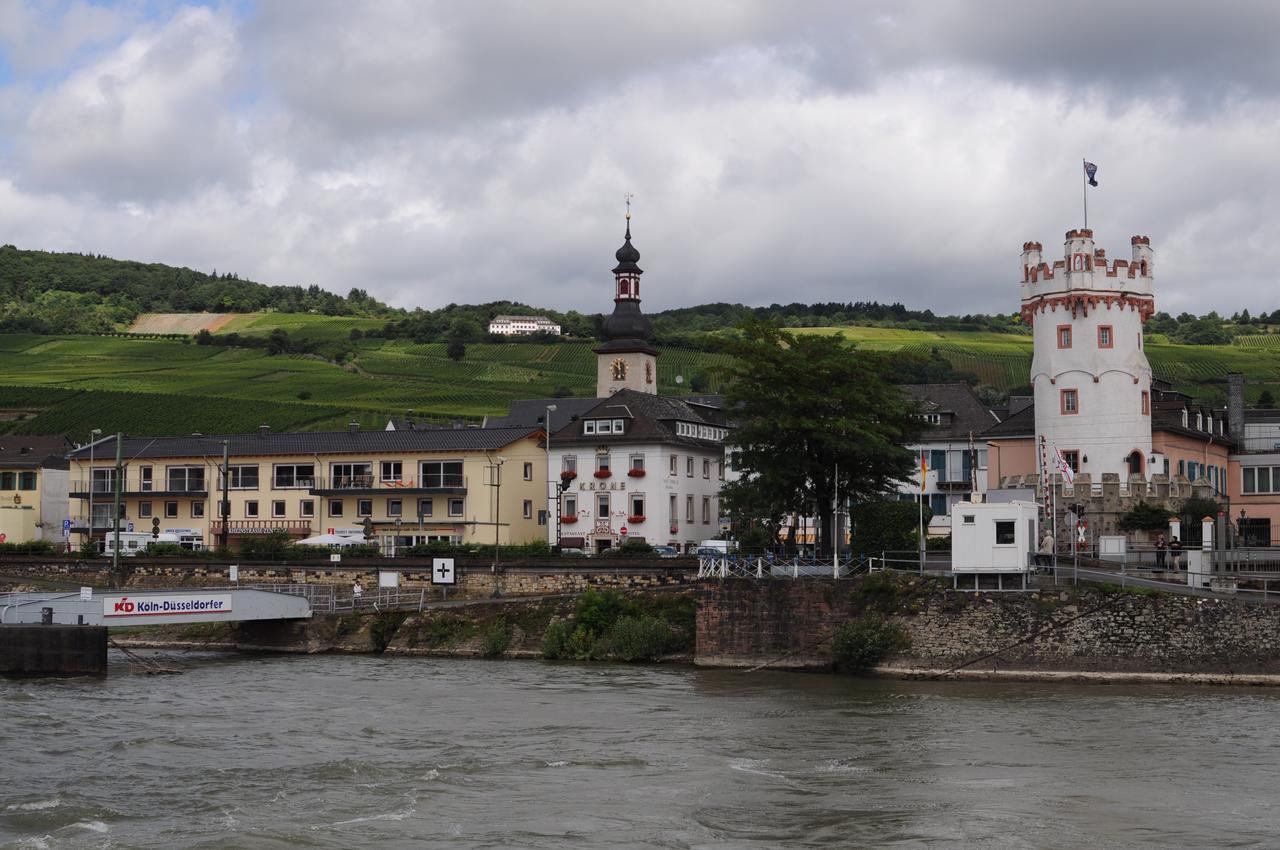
{"x":115,"y":511}
{"x":93,"y":438}
{"x":226,"y":501}
{"x":495,"y":474}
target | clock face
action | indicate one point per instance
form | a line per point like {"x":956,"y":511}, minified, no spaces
{"x":619,"y":368}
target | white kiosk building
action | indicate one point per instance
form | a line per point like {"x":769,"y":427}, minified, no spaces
{"x":995,"y":540}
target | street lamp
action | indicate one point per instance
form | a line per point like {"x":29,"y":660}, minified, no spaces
{"x":546,"y":426}
{"x":93,"y":435}
{"x":495,"y":471}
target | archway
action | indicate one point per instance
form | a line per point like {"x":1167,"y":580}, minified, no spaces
{"x":1136,"y":462}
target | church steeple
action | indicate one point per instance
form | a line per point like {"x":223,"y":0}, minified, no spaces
{"x":626,"y":360}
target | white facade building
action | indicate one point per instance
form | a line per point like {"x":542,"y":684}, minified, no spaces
{"x":1089,"y":372}
{"x":508,"y":325}
{"x":638,"y":466}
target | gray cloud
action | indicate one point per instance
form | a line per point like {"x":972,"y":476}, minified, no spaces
{"x":439,"y":152}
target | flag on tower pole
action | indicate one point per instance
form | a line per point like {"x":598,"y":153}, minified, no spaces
{"x":1060,"y":464}
{"x":1090,"y":172}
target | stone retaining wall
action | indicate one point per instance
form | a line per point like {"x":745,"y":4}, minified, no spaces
{"x":475,"y":578}
{"x":791,"y":624}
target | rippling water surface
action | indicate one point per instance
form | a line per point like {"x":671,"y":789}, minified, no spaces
{"x":346,"y":751}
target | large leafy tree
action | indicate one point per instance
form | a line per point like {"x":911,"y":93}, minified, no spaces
{"x":813,"y":414}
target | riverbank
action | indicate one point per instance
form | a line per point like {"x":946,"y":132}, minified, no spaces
{"x":595,"y":625}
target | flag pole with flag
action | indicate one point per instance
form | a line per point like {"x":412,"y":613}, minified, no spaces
{"x":1090,"y":179}
{"x":924,"y":470}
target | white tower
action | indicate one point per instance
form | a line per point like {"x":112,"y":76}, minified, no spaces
{"x":1090,"y":375}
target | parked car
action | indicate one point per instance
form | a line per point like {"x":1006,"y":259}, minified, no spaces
{"x":708,"y":552}
{"x":666,"y":551}
{"x":568,"y":552}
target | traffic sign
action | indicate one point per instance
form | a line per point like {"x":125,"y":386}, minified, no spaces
{"x":130,"y":528}
{"x":442,"y":571}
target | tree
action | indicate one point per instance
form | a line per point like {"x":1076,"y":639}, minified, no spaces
{"x":814,"y":414}
{"x":456,"y":349}
{"x":278,"y":342}
{"x":1266,"y":400}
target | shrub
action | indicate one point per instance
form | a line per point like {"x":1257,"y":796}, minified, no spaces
{"x":166,"y":549}
{"x":384,"y":627}
{"x":644,"y":638}
{"x":1145,"y":517}
{"x":30,"y":547}
{"x":496,"y":638}
{"x":555,"y":641}
{"x":865,"y":640}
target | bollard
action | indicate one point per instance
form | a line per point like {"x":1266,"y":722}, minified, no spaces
{"x":46,"y":616}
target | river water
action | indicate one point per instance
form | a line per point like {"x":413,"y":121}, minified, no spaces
{"x":366,"y":751}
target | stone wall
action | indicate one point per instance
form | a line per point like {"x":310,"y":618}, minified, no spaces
{"x":475,"y":579}
{"x":743,"y":623}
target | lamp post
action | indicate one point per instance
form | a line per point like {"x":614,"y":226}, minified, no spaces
{"x":546,"y":425}
{"x":495,"y":474}
{"x":93,"y":438}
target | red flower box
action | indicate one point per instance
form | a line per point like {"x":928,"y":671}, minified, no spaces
{"x":635,"y":519}
{"x":570,"y":518}
{"x":636,"y":473}
{"x":569,"y":474}
{"x":603,"y":473}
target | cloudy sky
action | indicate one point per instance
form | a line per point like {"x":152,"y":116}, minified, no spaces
{"x":808,"y":151}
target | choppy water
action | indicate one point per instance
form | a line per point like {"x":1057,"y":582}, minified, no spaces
{"x":361,"y":751}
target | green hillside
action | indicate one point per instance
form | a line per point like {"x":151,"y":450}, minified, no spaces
{"x":144,"y":386}
{"x":1004,"y":360}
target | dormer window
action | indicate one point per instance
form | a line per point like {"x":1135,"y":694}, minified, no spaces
{"x":1184,"y":417}
{"x":1199,"y":422}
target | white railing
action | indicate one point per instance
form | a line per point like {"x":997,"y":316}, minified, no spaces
{"x":770,"y":566}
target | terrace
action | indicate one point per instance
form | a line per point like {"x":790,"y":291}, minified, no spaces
{"x":438,"y":484}
{"x":105,"y":488}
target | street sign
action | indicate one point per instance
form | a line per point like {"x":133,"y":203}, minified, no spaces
{"x":442,"y":571}
{"x":335,"y":558}
{"x":233,"y":572}
{"x":130,"y":528}
{"x":2,"y":538}
{"x":86,"y":594}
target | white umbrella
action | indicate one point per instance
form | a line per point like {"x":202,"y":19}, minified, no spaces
{"x":329,"y":540}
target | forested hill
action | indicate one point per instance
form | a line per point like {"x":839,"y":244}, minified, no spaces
{"x":46,"y":292}
{"x":59,"y":293}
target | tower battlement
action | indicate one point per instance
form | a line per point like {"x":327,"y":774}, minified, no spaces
{"x":1085,"y":267}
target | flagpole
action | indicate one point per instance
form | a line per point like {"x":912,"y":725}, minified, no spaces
{"x":1084,"y":193}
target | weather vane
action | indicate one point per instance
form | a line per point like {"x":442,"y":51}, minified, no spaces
{"x":627,"y":197}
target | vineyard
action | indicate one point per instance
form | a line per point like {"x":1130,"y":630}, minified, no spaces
{"x":151,"y":386}
{"x":154,"y":386}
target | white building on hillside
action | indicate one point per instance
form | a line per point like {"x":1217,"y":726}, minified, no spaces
{"x":508,"y":325}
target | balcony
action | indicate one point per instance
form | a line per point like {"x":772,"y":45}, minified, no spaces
{"x":103,"y":490}
{"x":241,"y":527}
{"x":1259,"y":445}
{"x":365,"y":485}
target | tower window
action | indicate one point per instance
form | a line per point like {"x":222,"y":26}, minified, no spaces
{"x":1105,"y":337}
{"x":1070,"y":401}
{"x":1146,"y":403}
{"x":1064,"y":336}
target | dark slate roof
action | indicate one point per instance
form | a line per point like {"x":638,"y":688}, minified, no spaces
{"x":651,"y":419}
{"x":313,"y":442}
{"x":1166,"y":415}
{"x":1020,"y":424}
{"x":19,"y":452}
{"x":961,"y":411}
{"x":528,"y":413}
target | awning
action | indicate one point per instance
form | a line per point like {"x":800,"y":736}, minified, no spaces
{"x":573,"y":542}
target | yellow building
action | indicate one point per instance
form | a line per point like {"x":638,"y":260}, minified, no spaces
{"x":459,"y":485}
{"x":33,"y":488}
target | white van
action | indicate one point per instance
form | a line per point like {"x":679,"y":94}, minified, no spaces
{"x":135,"y":542}
{"x":719,"y":547}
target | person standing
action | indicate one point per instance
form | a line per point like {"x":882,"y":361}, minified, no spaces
{"x":1045,"y":556}
{"x":1175,"y":552}
{"x":357,"y":592}
{"x":1161,"y":547}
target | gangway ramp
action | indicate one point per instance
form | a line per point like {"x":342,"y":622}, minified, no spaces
{"x":119,"y":608}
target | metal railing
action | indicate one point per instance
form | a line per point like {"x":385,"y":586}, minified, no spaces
{"x":330,"y":599}
{"x":773,"y":566}
{"x":373,"y":482}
